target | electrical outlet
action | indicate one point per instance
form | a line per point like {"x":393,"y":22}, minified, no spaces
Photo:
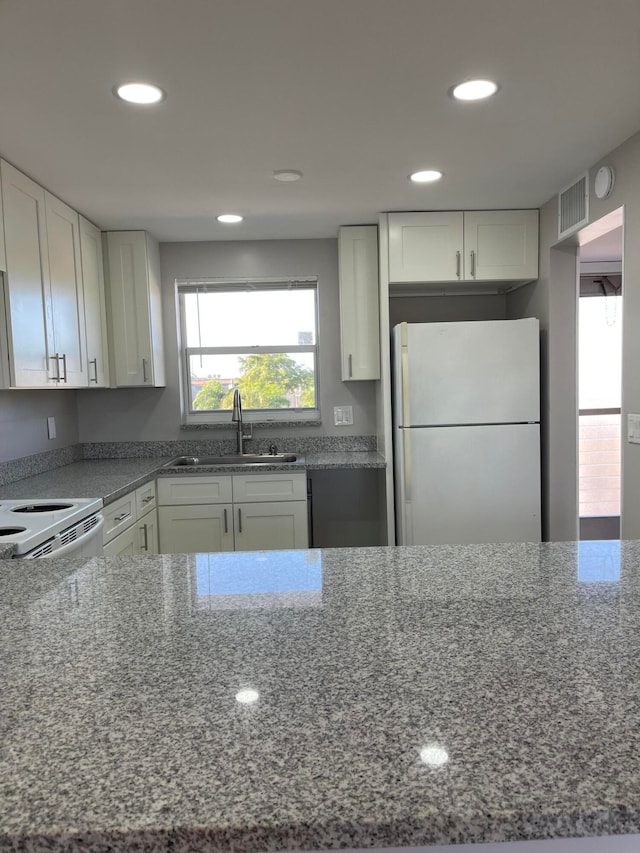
{"x":51,"y":428}
{"x":343,"y":415}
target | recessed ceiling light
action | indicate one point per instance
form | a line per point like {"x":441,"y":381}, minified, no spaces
{"x":230,"y":218}
{"x":287,"y":175}
{"x":426,"y":176}
{"x":140,"y":93}
{"x":473,"y":90}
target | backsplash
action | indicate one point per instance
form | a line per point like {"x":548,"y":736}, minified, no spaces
{"x":28,"y":466}
{"x":217,"y":446}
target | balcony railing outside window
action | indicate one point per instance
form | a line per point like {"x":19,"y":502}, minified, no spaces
{"x":599,"y":465}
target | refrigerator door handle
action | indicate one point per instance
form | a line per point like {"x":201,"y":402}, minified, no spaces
{"x":404,"y":367}
{"x":406,"y":440}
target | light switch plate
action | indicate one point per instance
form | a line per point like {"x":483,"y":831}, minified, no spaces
{"x":633,"y":428}
{"x":343,"y":415}
{"x":51,"y":428}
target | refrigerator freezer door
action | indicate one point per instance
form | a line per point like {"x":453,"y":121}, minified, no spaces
{"x":471,"y":484}
{"x":468,"y":373}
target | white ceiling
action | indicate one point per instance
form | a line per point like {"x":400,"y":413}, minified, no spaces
{"x":351,"y":92}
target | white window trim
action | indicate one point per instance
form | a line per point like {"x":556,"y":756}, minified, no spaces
{"x":255,"y":416}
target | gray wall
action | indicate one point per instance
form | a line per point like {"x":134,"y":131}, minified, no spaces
{"x":553,"y":299}
{"x":23,"y":422}
{"x":154,"y":414}
{"x":446,"y":309}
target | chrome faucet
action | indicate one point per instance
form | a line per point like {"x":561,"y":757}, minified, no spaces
{"x":236,"y":418}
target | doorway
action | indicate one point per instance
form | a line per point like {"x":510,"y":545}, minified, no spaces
{"x":599,"y":378}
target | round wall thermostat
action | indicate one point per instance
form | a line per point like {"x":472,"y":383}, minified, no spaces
{"x":604,"y":182}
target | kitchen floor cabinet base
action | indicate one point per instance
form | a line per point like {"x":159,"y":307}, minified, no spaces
{"x":242,"y":512}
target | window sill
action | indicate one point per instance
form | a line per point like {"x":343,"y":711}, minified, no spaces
{"x":224,"y":421}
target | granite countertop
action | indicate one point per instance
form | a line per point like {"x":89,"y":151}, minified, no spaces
{"x":402,"y":696}
{"x":109,"y":479}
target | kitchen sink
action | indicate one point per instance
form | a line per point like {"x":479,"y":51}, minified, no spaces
{"x":232,"y":459}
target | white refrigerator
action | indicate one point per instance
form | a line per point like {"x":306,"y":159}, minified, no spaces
{"x":466,"y":410}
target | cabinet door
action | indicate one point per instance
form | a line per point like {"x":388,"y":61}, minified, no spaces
{"x":67,"y":302}
{"x":94,"y":304}
{"x":359,"y":300}
{"x":27,"y":290}
{"x":123,"y":545}
{"x":270,"y":526}
{"x":425,"y":247}
{"x":202,"y":528}
{"x":147,"y":528}
{"x":136,"y":326}
{"x":501,"y":245}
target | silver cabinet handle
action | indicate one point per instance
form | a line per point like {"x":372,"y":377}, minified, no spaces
{"x":122,"y":517}
{"x":56,"y":358}
{"x":350,"y":365}
{"x":94,"y":362}
{"x":473,"y":264}
{"x":144,"y":369}
{"x":226,"y":526}
{"x":145,"y":547}
{"x":147,"y":499}
{"x":239,"y":520}
{"x":458,"y":257}
{"x":64,"y":364}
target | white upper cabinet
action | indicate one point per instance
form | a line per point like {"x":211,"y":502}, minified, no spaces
{"x":94,"y":304}
{"x":132,"y":266}
{"x":43,"y":294}
{"x":359,"y":302}
{"x":27,"y":286}
{"x":65,"y":312}
{"x":425,"y":246}
{"x":464,"y":246}
{"x":501,"y":245}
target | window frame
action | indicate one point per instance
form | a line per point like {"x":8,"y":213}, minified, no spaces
{"x":191,"y":417}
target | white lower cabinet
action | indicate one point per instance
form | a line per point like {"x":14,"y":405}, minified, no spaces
{"x":257,"y":512}
{"x":131,"y":524}
{"x":201,"y":528}
{"x":125,"y":544}
{"x":147,"y":528}
{"x":270,"y":526}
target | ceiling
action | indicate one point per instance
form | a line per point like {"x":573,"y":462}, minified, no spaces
{"x":351,"y":92}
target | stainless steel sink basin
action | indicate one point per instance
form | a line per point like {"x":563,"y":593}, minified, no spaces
{"x":234,"y":459}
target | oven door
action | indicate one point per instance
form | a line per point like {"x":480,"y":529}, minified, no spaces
{"x":81,"y":540}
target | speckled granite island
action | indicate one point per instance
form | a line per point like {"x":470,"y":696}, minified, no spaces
{"x":321,"y":699}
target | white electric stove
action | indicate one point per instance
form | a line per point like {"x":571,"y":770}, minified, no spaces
{"x":52,"y":527}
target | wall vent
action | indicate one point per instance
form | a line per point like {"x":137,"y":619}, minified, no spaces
{"x":573,"y":206}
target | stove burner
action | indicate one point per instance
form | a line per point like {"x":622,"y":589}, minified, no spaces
{"x":11,"y":531}
{"x":29,"y":508}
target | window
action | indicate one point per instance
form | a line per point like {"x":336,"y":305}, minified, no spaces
{"x":599,"y":400}
{"x":260,"y":337}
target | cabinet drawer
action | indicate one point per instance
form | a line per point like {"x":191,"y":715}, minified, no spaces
{"x":123,"y":545}
{"x":118,"y":516}
{"x":145,"y":498}
{"x":182,"y":491}
{"x":287,"y":486}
